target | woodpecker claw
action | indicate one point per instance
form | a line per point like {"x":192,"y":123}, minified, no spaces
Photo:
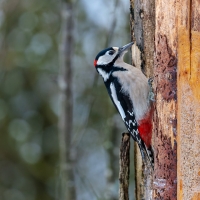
{"x":151,"y":96}
{"x":150,"y":81}
{"x":151,"y":93}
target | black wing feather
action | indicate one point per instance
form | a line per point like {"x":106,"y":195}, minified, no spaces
{"x":127,"y":106}
{"x":130,"y":121}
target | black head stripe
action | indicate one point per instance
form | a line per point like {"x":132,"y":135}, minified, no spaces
{"x":115,"y":58}
{"x":101,"y":53}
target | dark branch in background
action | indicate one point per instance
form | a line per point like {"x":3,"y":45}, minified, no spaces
{"x":112,"y":27}
{"x":113,"y":133}
{"x":66,"y":187}
{"x":96,"y":76}
{"x":112,"y":136}
{"x":124,"y":164}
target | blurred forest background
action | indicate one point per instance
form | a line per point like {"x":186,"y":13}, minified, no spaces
{"x":30,"y":34}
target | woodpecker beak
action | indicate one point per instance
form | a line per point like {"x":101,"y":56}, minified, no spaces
{"x":124,"y":48}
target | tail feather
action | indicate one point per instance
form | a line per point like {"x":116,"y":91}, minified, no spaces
{"x":146,"y":153}
{"x":150,"y":155}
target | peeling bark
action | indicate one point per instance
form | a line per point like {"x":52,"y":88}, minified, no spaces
{"x":165,"y":115}
{"x":142,"y":19}
{"x":177,"y":111}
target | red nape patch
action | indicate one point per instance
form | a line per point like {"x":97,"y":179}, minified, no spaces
{"x":95,"y":63}
{"x":145,"y":130}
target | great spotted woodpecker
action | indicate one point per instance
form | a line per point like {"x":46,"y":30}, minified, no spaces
{"x":131,"y":93}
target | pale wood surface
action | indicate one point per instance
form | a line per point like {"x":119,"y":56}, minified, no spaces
{"x":188,"y":26}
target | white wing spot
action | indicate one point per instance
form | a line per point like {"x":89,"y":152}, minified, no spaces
{"x":131,"y":113}
{"x":128,"y":123}
{"x":117,"y":103}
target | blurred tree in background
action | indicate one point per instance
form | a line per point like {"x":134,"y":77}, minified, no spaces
{"x":28,"y":99}
{"x":30,"y":33}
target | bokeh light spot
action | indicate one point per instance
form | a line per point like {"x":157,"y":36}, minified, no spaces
{"x":28,"y":21}
{"x":41,"y":43}
{"x":13,"y":194}
{"x":19,"y":129}
{"x":30,"y":152}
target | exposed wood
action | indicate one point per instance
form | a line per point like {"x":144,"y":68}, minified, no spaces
{"x":188,"y":13}
{"x":124,"y":167}
{"x":177,"y":37}
{"x":67,"y":189}
{"x":165,"y":115}
{"x":142,"y":19}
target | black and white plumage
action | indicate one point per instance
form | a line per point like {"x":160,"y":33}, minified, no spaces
{"x":129,"y":91}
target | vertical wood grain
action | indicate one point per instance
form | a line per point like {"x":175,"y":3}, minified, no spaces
{"x":165,"y":115}
{"x":188,"y":100}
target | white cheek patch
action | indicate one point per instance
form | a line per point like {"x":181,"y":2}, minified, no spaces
{"x":117,"y":103}
{"x":103,"y":60}
{"x":106,"y":58}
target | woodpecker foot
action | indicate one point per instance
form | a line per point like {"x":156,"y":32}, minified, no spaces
{"x":150,"y":80}
{"x":151,"y":93}
{"x":151,"y":96}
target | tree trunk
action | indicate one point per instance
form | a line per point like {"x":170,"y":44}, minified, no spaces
{"x":67,"y":189}
{"x":176,"y":120}
{"x":142,"y":17}
{"x":188,"y":54}
{"x":165,"y":114}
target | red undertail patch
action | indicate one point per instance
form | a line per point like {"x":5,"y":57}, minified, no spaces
{"x":145,"y":130}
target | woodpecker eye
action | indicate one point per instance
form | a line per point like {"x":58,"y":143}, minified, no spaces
{"x":111,"y":52}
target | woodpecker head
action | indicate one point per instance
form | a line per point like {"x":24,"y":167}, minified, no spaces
{"x":109,"y":56}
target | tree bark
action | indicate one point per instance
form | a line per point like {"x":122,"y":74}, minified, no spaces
{"x":67,"y":189}
{"x":142,"y":18}
{"x":165,"y":114}
{"x":177,"y":50}
{"x":124,"y":167}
